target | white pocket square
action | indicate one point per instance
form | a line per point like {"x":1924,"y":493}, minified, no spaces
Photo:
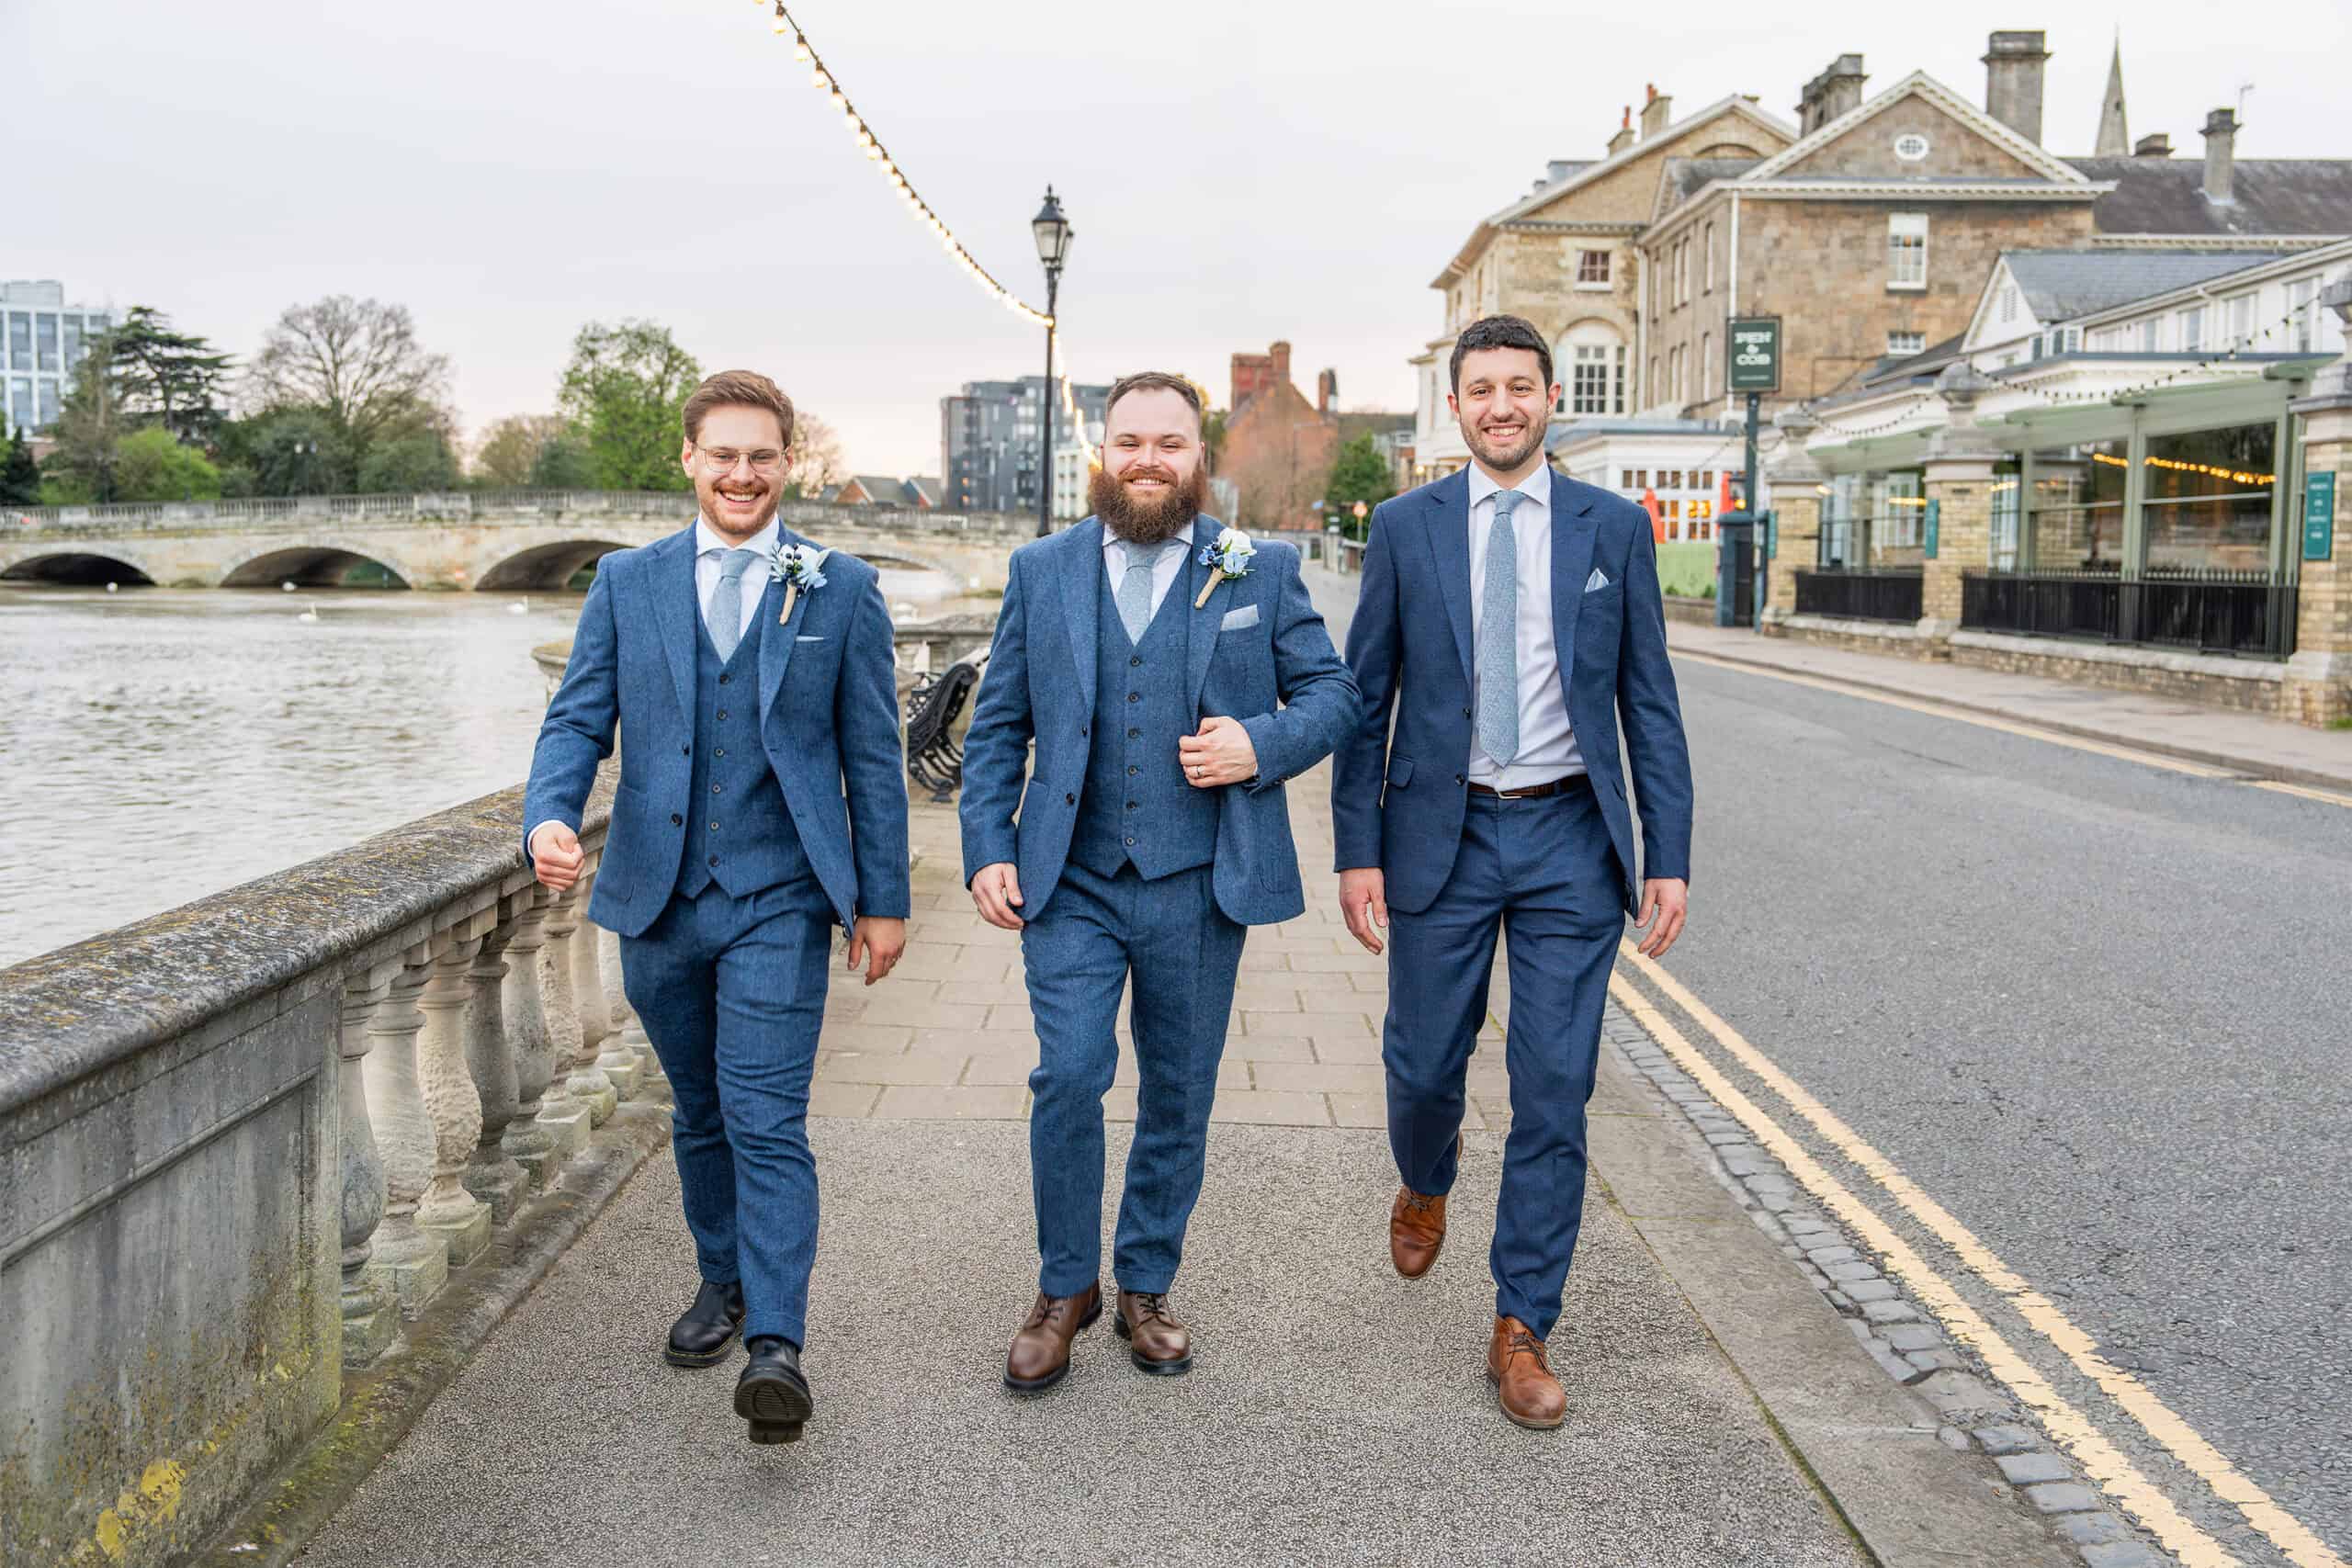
{"x":1236,"y":619}
{"x":1596,"y":581}
{"x":807,"y":639}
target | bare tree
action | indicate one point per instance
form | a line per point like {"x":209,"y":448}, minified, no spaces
{"x":355,"y":360}
{"x":510,"y":448}
{"x":817,"y":459}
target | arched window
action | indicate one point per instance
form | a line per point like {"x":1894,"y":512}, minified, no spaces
{"x":1589,"y":360}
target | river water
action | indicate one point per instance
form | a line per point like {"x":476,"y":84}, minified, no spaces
{"x":157,"y":744}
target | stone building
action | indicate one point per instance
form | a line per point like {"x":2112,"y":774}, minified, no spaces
{"x":1278,"y":446}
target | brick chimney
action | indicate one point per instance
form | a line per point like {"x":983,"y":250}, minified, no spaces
{"x":2221,"y":154}
{"x":2014,"y":64}
{"x":1624,"y":137}
{"x":1656,"y":109}
{"x":1326,"y":392}
{"x":2155,"y":144}
{"x":1278,"y":355}
{"x":1252,"y":373}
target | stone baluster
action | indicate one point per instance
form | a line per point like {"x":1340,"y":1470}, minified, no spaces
{"x":492,"y":1175}
{"x":414,"y":1261}
{"x":560,"y":1004}
{"x":450,"y":1098}
{"x":543,"y":1133}
{"x":597,"y":1031}
{"x":371,"y":1318}
{"x":624,"y":1018}
{"x":572,"y":1053}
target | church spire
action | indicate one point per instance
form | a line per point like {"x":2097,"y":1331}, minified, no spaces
{"x":2114,"y":137}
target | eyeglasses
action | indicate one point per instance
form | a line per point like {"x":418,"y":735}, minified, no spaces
{"x":722,"y":459}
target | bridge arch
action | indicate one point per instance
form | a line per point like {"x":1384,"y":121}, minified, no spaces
{"x":314,"y":566}
{"x":545,"y":568}
{"x":77,"y":569}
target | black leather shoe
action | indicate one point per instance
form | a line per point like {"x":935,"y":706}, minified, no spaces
{"x":772,"y":1395}
{"x":700,"y":1338}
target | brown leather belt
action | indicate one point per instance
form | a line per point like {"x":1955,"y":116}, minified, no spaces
{"x":1536,"y":792}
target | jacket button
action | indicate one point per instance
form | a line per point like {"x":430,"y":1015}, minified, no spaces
{"x":714,"y":860}
{"x":723,"y":678}
{"x":721,"y":751}
{"x":1132,"y":806}
{"x":1133,"y":734}
{"x":676,"y":820}
{"x":1070,"y":800}
{"x":685,"y":750}
{"x":1131,"y":843}
{"x":1457,"y":779}
{"x":1082,"y":732}
{"x":1466,"y":713}
{"x":1131,"y":773}
{"x":716,"y":788}
{"x":1135,"y":696}
{"x":1135,"y":661}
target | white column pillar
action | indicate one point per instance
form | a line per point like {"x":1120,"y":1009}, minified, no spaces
{"x":450,"y":1098}
{"x":371,"y":1318}
{"x":560,"y":1004}
{"x":491,"y":1174}
{"x":414,"y":1261}
{"x":574,"y":1057}
{"x":543,"y":1133}
{"x":597,"y":1031}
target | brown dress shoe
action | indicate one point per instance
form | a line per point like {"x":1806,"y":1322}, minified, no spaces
{"x":1157,"y":1343}
{"x":1040,"y":1354}
{"x":1416,"y":1227}
{"x":1523,"y":1382}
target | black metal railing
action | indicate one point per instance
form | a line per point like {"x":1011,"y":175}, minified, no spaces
{"x":1860,"y":595}
{"x":2245,"y":613}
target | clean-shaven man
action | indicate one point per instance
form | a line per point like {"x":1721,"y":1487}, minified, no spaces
{"x":1170,"y":691}
{"x":1509,"y":618}
{"x":761,"y":802}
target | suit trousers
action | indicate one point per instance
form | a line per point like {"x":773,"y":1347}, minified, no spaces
{"x":732,"y":992}
{"x":1181,"y":952}
{"x":1543,"y":874}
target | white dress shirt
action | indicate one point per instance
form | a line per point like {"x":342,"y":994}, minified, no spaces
{"x":1164,"y":570}
{"x":711,"y":549}
{"x":1547,"y":742}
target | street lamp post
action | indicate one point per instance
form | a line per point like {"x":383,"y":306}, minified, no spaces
{"x":1054,"y":235}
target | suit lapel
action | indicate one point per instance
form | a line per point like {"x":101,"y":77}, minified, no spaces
{"x":677,"y":610}
{"x":1082,"y":579}
{"x":776,"y":642}
{"x":1446,"y":517}
{"x":1573,"y":532}
{"x":1201,"y":626}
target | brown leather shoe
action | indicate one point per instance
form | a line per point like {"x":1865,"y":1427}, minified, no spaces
{"x":1157,"y":1343}
{"x":1416,"y":1225}
{"x":1524,"y":1385}
{"x":1040,"y":1354}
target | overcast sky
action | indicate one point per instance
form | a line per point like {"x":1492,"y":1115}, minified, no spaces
{"x":1236,"y":173}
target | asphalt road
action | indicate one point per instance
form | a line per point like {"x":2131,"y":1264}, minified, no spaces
{"x":2100,"y":1011}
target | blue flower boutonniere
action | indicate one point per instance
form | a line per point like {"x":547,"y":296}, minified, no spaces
{"x":796,"y":567}
{"x":1229,"y":557}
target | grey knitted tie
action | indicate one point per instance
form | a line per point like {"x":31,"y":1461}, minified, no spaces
{"x":1135,"y":587}
{"x":1499,"y":637}
{"x":726,"y":617}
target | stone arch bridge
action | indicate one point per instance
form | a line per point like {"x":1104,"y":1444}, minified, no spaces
{"x":493,"y":541}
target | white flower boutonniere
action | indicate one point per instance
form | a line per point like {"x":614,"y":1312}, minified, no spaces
{"x":1229,"y":557}
{"x":796,"y":567}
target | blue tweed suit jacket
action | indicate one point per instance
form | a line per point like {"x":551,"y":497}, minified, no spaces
{"x":829,"y":723}
{"x":1397,"y":802}
{"x":1279,"y":676}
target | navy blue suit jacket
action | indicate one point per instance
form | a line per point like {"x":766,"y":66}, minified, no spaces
{"x":1040,"y":686}
{"x":828,"y":722}
{"x":1410,"y":647}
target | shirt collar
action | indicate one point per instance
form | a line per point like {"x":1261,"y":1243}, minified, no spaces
{"x":1112,"y":541}
{"x":1536,"y":487}
{"x":764,"y":541}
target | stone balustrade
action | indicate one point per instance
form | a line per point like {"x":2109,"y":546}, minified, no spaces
{"x":246,"y":1141}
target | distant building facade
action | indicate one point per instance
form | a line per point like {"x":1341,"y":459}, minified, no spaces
{"x":42,"y":338}
{"x":990,"y":442}
{"x":1278,"y":446}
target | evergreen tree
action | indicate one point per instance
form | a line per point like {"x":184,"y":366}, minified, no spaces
{"x":20,"y":475}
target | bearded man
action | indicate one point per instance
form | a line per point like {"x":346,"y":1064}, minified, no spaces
{"x":1169,"y":690}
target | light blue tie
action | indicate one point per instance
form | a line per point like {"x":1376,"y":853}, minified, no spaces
{"x":725,"y":616}
{"x":1135,"y":587}
{"x":1499,"y":637}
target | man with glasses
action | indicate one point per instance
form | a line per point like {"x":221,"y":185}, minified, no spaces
{"x":761,"y":800}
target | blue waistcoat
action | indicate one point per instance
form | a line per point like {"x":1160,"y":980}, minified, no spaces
{"x":740,"y":835}
{"x":1137,"y":806}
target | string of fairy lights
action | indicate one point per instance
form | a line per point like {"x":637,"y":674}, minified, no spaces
{"x":825,"y":82}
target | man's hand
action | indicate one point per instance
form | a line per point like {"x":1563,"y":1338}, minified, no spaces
{"x":996,"y":893}
{"x":1666,"y":899}
{"x":1363,"y":903}
{"x":1220,"y":754}
{"x":556,"y":856}
{"x":883,"y":937}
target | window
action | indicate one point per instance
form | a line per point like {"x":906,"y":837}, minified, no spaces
{"x":1906,"y":343}
{"x":2075,"y":512}
{"x":1896,"y":525}
{"x":45,"y":331}
{"x":1706,"y":480}
{"x":2207,"y":497}
{"x":2193,"y":329}
{"x":1625,"y":479}
{"x":73,"y":342}
{"x":1910,"y":146}
{"x":1671,"y":478}
{"x":1592,"y":370}
{"x":2300,"y":294}
{"x":1641,"y":478}
{"x":1707,"y":363}
{"x":20,"y":342}
{"x":1906,"y":250}
{"x":1652,"y":387}
{"x":1592,"y":269}
{"x":46,"y":415}
{"x":1710,"y":277}
{"x":2008,"y":304}
{"x":2152,"y":337}
{"x":2239,"y":307}
{"x":1683,"y":273}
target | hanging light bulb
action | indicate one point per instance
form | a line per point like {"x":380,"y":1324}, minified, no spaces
{"x":779,"y":25}
{"x":799,"y":46}
{"x":820,"y":79}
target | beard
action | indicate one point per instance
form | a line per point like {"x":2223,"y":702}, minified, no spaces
{"x":1505,"y":458}
{"x":1146,"y":522}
